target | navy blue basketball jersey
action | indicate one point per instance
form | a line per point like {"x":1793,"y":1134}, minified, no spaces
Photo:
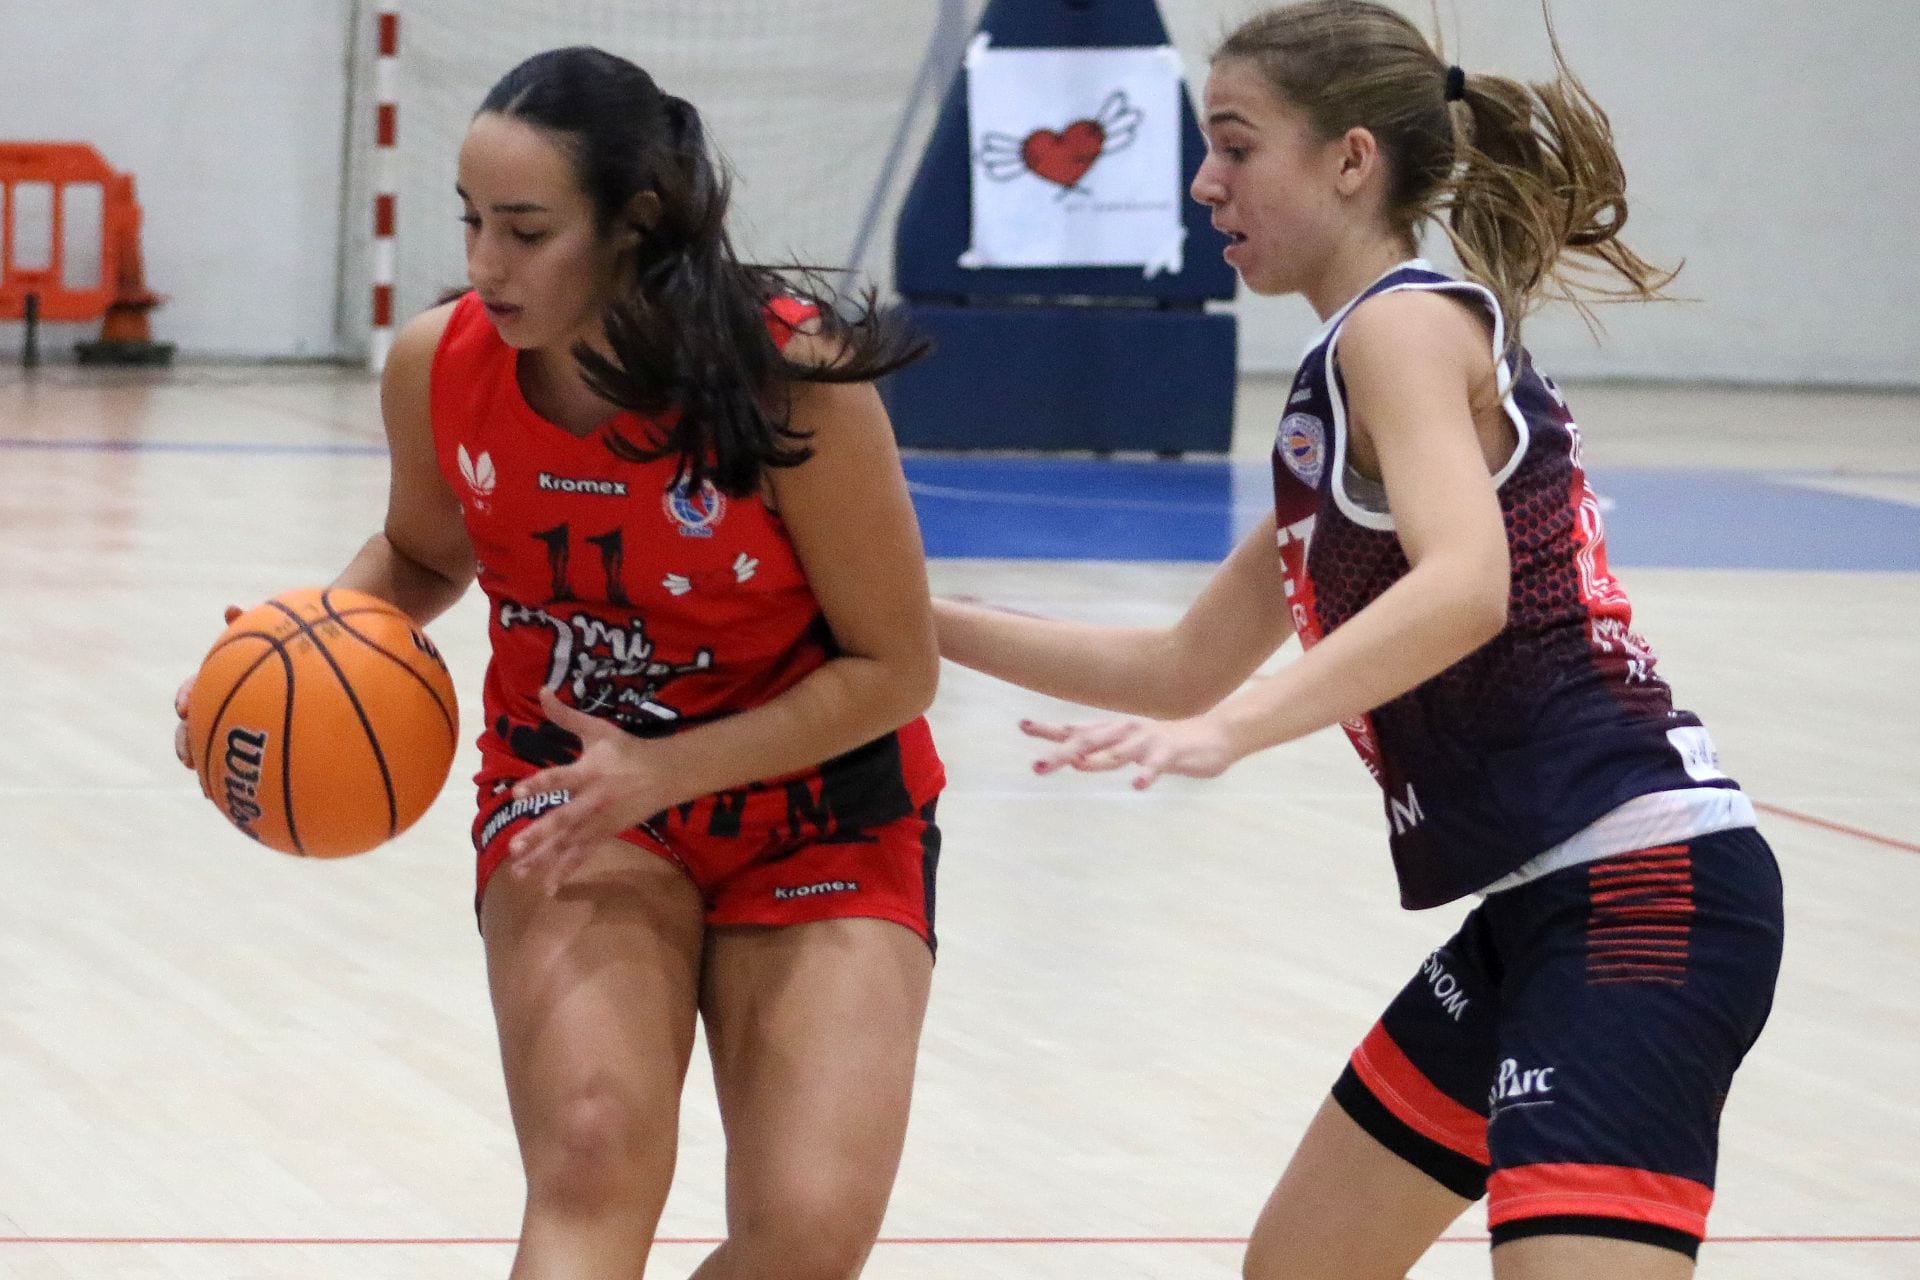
{"x":1553,"y":724}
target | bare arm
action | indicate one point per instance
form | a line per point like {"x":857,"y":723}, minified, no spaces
{"x":1234,"y":625}
{"x":1410,"y":361}
{"x":421,"y":560}
{"x":853,"y":526}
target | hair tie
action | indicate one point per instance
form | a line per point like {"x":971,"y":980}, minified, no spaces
{"x":1456,"y":84}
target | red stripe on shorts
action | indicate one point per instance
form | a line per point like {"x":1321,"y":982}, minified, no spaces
{"x":1403,"y":1090}
{"x":1640,"y":916}
{"x":1598,"y":1191}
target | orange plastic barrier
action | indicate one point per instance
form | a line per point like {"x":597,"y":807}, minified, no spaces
{"x":119,"y":297}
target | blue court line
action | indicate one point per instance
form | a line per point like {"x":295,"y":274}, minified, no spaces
{"x":1072,"y":508}
{"x":1695,"y":519}
{"x":1053,"y":508}
{"x":1743,"y":520}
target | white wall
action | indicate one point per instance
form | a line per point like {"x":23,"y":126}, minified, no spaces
{"x":1770,"y":143}
{"x":228,"y":114}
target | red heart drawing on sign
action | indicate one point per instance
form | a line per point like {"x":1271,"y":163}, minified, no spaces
{"x":1066,"y":156}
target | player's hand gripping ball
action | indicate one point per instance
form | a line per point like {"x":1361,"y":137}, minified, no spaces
{"x":322,"y":722}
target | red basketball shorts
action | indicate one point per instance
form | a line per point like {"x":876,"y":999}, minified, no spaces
{"x":849,"y":840}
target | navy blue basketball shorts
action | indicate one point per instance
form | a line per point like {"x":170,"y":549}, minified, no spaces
{"x":1567,"y":1052}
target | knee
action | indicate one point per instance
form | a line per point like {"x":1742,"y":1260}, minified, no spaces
{"x":1269,"y":1259}
{"x":838,"y":1257}
{"x":594,"y":1153}
{"x":806,"y":1233}
{"x":1272,"y":1260}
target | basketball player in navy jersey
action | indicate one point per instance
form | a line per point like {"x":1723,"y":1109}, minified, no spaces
{"x":1436,"y":548}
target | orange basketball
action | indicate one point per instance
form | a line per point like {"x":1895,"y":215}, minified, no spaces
{"x":323,"y":722}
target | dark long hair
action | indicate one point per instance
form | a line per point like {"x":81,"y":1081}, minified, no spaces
{"x":690,"y":346}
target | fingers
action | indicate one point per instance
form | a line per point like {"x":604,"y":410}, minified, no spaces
{"x":1091,"y":748}
{"x":1153,"y":763}
{"x":183,"y":695}
{"x":184,"y":750}
{"x":558,"y":778}
{"x":1157,"y":749}
{"x":181,"y":747}
{"x":538,"y":841}
{"x":558,"y":711}
{"x":572,"y":719}
{"x":553,"y":845}
{"x":561,"y":868}
{"x":1104,"y":761}
{"x":1041,"y":729}
{"x":591,"y":792}
{"x":556,"y":824}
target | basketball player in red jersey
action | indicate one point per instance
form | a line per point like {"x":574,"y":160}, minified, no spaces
{"x":706,"y":785}
{"x":1438,"y":551}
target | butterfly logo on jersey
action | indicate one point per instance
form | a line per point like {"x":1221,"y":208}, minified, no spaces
{"x":744,"y":567}
{"x":1303,"y":446}
{"x":695,"y":513}
{"x":478,"y":473}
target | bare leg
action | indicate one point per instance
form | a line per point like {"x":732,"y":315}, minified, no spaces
{"x":1577,"y":1257}
{"x":814,"y":1029}
{"x":1347,"y":1209}
{"x":595,"y":993}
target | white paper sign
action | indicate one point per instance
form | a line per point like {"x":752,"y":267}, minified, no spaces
{"x":1076,"y":157}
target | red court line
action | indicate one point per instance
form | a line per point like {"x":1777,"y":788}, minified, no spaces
{"x":365,"y":1241}
{"x":1840,"y":827}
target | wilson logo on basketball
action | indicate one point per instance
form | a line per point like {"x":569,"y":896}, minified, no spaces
{"x":478,"y":472}
{"x":364,"y":722}
{"x":246,"y":752}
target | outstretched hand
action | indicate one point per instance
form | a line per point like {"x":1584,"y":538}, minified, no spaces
{"x":1194,"y":748}
{"x":616,"y":782}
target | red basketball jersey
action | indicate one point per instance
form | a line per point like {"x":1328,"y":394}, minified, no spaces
{"x":636,"y":600}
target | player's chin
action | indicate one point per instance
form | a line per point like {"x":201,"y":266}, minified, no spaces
{"x":521,"y":336}
{"x":1265,"y":283}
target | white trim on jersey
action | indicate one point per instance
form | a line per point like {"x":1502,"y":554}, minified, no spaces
{"x":1656,"y":818}
{"x":1381,"y":521}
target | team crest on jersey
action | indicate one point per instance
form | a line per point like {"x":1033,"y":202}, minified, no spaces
{"x":1303,"y":446}
{"x":695,"y":513}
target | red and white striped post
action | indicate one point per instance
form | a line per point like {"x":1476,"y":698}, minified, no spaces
{"x":386,"y":173}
